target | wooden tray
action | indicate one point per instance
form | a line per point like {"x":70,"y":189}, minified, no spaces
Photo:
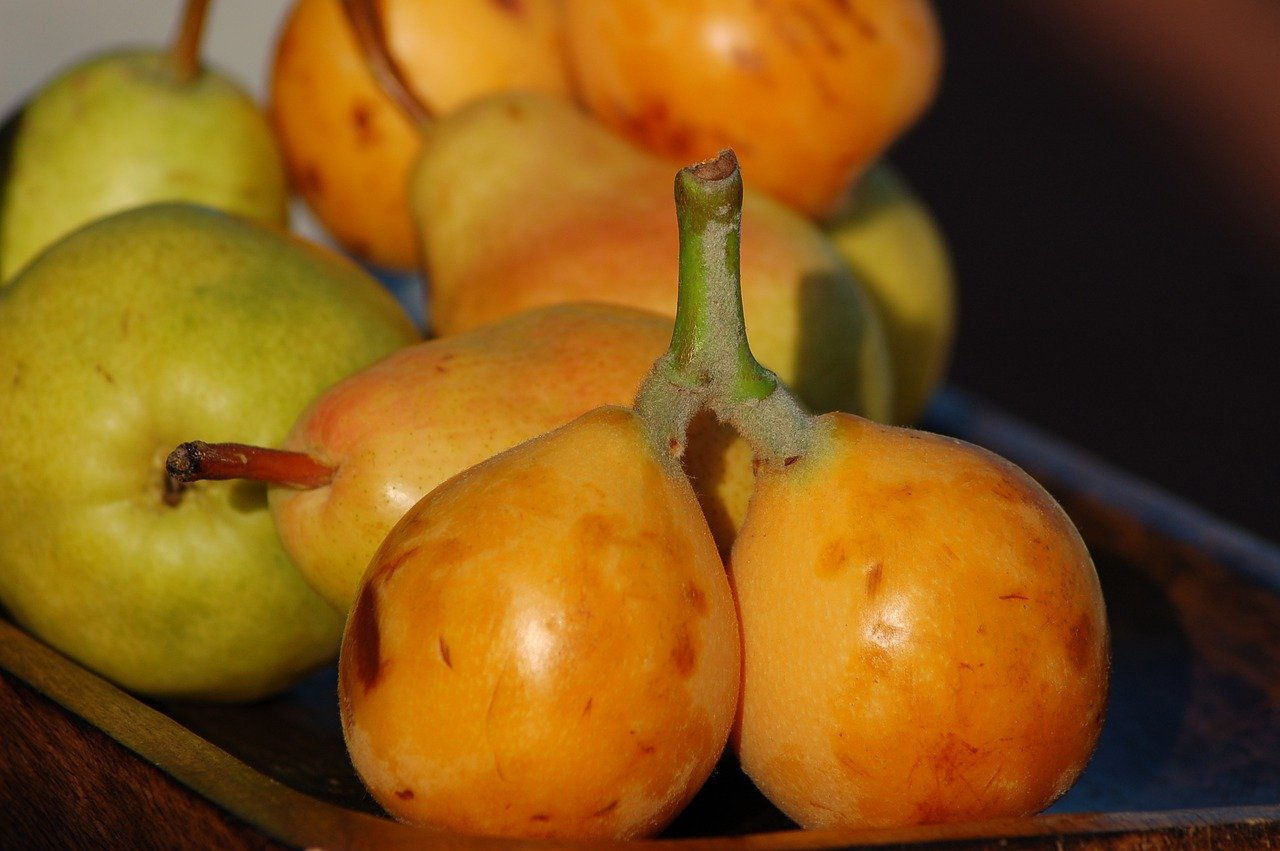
{"x":1189,"y":756}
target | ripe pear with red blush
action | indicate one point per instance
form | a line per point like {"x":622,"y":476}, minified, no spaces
{"x":546,"y":645}
{"x":601,"y":233}
{"x":924,"y":634}
{"x":373,"y":444}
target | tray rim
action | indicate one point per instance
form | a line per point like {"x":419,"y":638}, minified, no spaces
{"x":295,"y":818}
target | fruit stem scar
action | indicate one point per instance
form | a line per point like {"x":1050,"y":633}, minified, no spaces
{"x":709,"y":363}
{"x":199,"y":461}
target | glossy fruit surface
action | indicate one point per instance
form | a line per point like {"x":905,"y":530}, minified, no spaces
{"x":545,"y":645}
{"x":349,"y":146}
{"x":806,"y":93}
{"x":924,"y":635}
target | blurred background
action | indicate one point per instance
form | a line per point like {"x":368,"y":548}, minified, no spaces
{"x":1108,"y":177}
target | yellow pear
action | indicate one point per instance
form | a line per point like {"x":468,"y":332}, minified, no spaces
{"x":890,"y":238}
{"x":522,"y":200}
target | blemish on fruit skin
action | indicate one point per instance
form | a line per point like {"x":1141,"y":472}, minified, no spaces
{"x":445,"y":654}
{"x":875,"y":574}
{"x":106,"y":376}
{"x":510,"y":7}
{"x":362,"y":121}
{"x":1079,"y":642}
{"x":311,"y":180}
{"x":404,"y":794}
{"x":541,"y":818}
{"x":696,"y":596}
{"x":684,"y":655}
{"x":832,"y":559}
{"x":1014,"y":596}
{"x":388,"y":568}
{"x":586,"y":710}
{"x":364,"y":638}
{"x":606,"y":809}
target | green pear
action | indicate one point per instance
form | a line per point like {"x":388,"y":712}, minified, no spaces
{"x":119,"y":342}
{"x":132,"y":127}
{"x":889,"y":237}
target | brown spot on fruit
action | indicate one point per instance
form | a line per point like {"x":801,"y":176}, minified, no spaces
{"x":364,"y":638}
{"x":606,"y":809}
{"x":540,"y":817}
{"x":362,"y":121}
{"x":404,"y":794}
{"x":1014,"y":596}
{"x":311,"y":180}
{"x":875,"y":574}
{"x":1080,"y":642}
{"x":388,"y":568}
{"x":684,"y":655}
{"x":445,"y":654}
{"x":696,"y":596}
{"x":832,"y":558}
{"x":511,"y":7}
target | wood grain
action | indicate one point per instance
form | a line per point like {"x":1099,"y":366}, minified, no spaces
{"x":64,"y":784}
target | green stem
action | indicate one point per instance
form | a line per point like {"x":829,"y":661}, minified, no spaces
{"x":709,"y":363}
{"x":184,"y":52}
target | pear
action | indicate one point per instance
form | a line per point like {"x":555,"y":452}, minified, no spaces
{"x":887,"y":233}
{"x":116,"y":343}
{"x":346,"y":143}
{"x":924,"y":634}
{"x":132,"y":127}
{"x":924,"y":637}
{"x":378,"y":441}
{"x":564,"y":210}
{"x":545,"y":645}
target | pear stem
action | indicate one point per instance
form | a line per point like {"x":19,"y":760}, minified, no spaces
{"x":184,"y":53}
{"x":709,"y":363}
{"x":199,"y":461}
{"x":366,"y":25}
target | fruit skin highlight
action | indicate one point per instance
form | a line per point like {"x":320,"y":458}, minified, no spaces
{"x":545,"y":645}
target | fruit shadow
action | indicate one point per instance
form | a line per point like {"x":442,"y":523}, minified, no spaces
{"x":1149,"y":701}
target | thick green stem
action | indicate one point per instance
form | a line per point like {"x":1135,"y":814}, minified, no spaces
{"x":709,"y":364}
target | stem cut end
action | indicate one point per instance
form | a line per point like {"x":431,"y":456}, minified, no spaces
{"x":199,"y":461}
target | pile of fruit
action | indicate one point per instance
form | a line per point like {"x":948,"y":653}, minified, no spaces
{"x":587,"y":535}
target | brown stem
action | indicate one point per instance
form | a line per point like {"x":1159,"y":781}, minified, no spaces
{"x":367,"y":26}
{"x":184,"y":53}
{"x":200,"y":461}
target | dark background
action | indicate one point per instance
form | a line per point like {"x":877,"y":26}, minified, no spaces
{"x":1108,"y":178}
